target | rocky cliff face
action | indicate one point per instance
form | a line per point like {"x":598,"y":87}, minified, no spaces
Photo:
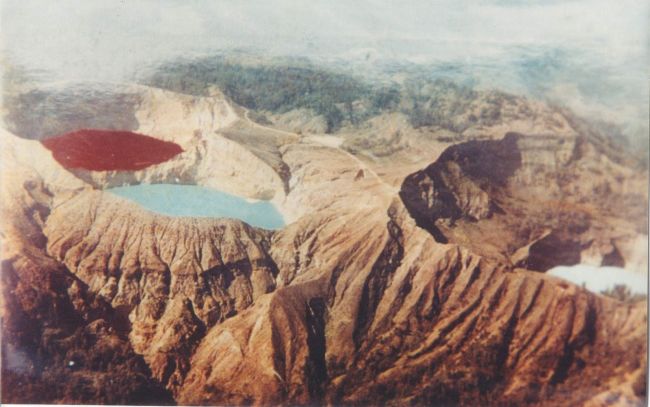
{"x":371,"y":295}
{"x":61,"y":342}
{"x":172,"y":278}
{"x":547,"y":200}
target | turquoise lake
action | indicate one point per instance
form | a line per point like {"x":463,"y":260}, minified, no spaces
{"x":197,"y":201}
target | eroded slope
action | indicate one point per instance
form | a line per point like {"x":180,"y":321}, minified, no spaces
{"x":535,"y":201}
{"x":350,"y":303}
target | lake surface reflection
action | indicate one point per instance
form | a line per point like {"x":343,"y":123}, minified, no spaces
{"x":198,"y":201}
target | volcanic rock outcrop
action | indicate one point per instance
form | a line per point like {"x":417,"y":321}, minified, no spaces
{"x":60,"y":341}
{"x":173,"y":278}
{"x":545,"y":200}
{"x":371,"y":295}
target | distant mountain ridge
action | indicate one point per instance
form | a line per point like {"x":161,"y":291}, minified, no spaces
{"x":357,"y":300}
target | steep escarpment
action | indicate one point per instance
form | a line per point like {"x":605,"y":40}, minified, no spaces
{"x":356,"y":301}
{"x":229,"y":151}
{"x":61,"y":343}
{"x":408,"y":320}
{"x":544,"y":200}
{"x":161,"y":295}
{"x":173,"y":278}
{"x":453,"y":328}
{"x":197,"y":125}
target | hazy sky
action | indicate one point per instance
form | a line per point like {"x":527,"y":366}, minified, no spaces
{"x":591,"y":55}
{"x":101,"y":39}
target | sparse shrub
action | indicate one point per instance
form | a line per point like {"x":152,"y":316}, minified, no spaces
{"x":623,"y":293}
{"x":275,"y":88}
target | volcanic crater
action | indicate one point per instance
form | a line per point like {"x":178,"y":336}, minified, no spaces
{"x":355,"y":302}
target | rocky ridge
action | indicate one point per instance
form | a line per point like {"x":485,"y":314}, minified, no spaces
{"x":357,"y":301}
{"x":551,"y":200}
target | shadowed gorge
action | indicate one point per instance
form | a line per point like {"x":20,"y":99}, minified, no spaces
{"x":528,"y":193}
{"x":462,"y":182}
{"x":239,"y":247}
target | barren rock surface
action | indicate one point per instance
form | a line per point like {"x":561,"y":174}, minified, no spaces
{"x":546,"y":200}
{"x":429,"y":291}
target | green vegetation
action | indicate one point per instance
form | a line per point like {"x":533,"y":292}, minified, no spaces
{"x":340,"y":98}
{"x":279,"y":88}
{"x":450,"y":106}
{"x":378,"y":146}
{"x":623,"y":293}
{"x":609,"y":139}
